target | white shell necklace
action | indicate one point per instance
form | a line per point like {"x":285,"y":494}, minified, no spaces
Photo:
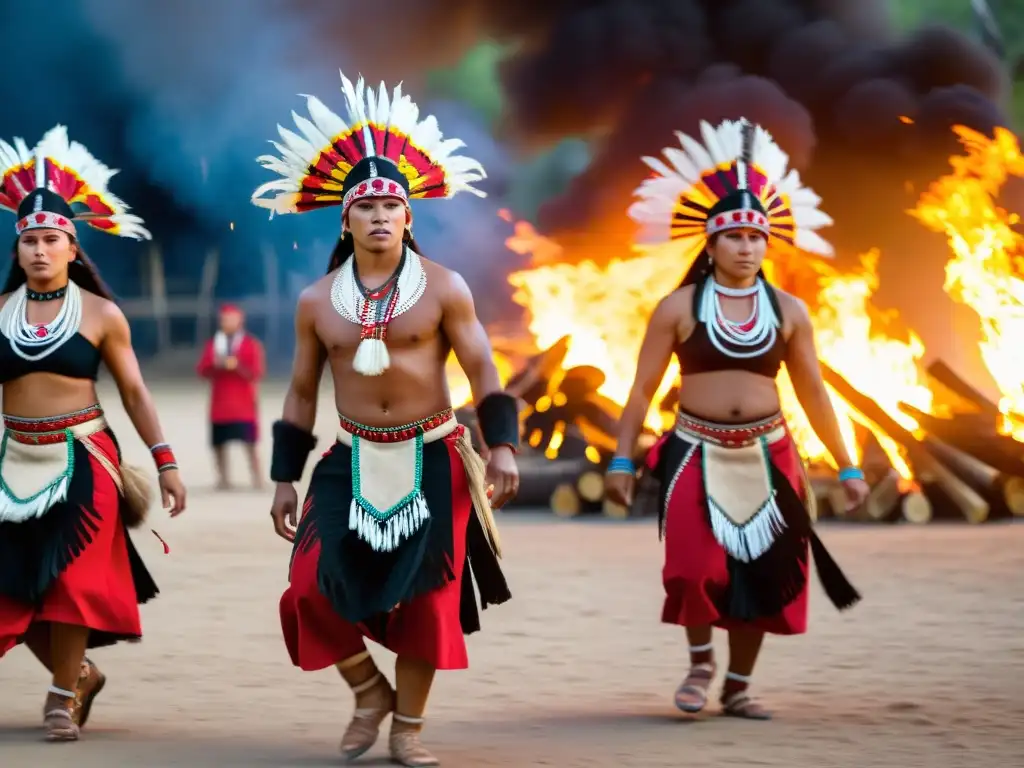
{"x":374,"y":310}
{"x":739,"y":340}
{"x":48,"y":337}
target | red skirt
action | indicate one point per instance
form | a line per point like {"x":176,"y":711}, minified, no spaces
{"x":341,"y":592}
{"x":706,"y":584}
{"x":72,"y":565}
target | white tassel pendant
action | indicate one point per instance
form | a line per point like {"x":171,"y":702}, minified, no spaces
{"x":372,"y":357}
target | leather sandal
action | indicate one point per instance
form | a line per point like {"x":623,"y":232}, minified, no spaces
{"x":364,"y":729}
{"x":739,"y":704}
{"x":90,"y":683}
{"x":405,"y":746}
{"x":57,"y":719}
{"x":692,"y":695}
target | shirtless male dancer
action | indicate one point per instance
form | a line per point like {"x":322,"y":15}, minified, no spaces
{"x":396,"y":522}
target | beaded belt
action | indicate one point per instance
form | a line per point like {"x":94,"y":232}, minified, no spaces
{"x":400,"y":433}
{"x":730,"y":435}
{"x":51,"y":430}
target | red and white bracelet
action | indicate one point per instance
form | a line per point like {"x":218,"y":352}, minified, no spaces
{"x":164,"y":457}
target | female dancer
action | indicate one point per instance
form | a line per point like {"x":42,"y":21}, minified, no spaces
{"x":70,"y":578}
{"x":729,"y":481}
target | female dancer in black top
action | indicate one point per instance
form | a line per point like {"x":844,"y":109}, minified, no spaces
{"x":732,"y":498}
{"x":70,"y":578}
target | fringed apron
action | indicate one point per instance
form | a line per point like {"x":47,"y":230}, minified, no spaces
{"x":395,"y":527}
{"x":733,"y":509}
{"x":63,"y":518}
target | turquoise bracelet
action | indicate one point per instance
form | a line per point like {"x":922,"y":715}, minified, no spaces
{"x":621,"y":465}
{"x":850,"y":473}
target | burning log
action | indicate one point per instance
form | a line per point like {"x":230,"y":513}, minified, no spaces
{"x":533,"y":380}
{"x":1004,"y":492}
{"x":945,"y":375}
{"x":928,"y":468}
{"x":975,"y":435}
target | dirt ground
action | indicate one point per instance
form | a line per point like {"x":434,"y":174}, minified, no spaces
{"x":575,"y":671}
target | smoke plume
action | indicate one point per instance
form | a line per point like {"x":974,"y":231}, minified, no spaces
{"x":865,"y":115}
{"x":183,"y":99}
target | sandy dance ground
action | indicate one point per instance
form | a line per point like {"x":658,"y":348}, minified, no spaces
{"x":575,"y":671}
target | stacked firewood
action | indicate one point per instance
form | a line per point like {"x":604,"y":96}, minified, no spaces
{"x":963,"y":468}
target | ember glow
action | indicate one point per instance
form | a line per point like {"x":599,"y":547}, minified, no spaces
{"x":986,"y":271}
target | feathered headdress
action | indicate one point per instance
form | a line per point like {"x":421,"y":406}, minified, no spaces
{"x":59,"y":182}
{"x":382,"y":150}
{"x":737,"y":179}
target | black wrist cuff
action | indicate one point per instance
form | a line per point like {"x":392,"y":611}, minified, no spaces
{"x":498,"y":417}
{"x":292,"y":445}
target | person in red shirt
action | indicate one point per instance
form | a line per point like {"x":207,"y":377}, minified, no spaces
{"x":233,"y":361}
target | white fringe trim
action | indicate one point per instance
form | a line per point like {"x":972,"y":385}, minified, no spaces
{"x":386,"y":535}
{"x":750,"y":541}
{"x":14,"y":511}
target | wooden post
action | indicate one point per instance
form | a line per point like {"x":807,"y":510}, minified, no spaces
{"x":158,"y":295}
{"x":272,"y":298}
{"x":207,"y":287}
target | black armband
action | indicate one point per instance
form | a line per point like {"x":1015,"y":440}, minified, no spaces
{"x":498,"y":417}
{"x":292,"y":445}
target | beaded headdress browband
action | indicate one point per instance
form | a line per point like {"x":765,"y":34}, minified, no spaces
{"x":60,"y":182}
{"x":383,"y":149}
{"x":736,"y":179}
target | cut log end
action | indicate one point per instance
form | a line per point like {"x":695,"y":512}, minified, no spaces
{"x":614,"y":510}
{"x":1013,"y":492}
{"x":565,"y":501}
{"x":590,"y":486}
{"x":915,"y":508}
{"x":884,"y":497}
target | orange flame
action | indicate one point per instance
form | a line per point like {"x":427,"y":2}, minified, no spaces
{"x":605,"y":309}
{"x":458,"y":384}
{"x":986,"y":270}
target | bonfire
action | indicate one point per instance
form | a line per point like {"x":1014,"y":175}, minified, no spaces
{"x":926,"y":436}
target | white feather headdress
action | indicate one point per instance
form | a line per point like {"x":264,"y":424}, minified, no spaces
{"x":737,"y":177}
{"x":31,"y":181}
{"x":383,"y":149}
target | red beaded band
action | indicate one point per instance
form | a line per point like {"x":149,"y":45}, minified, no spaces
{"x":729,"y":435}
{"x":164,"y":457}
{"x":49,"y":430}
{"x":396,"y":434}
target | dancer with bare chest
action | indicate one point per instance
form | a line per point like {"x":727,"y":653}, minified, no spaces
{"x":396,"y":525}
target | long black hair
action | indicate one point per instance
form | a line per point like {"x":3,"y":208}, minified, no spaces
{"x":82,"y":271}
{"x":346,"y":246}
